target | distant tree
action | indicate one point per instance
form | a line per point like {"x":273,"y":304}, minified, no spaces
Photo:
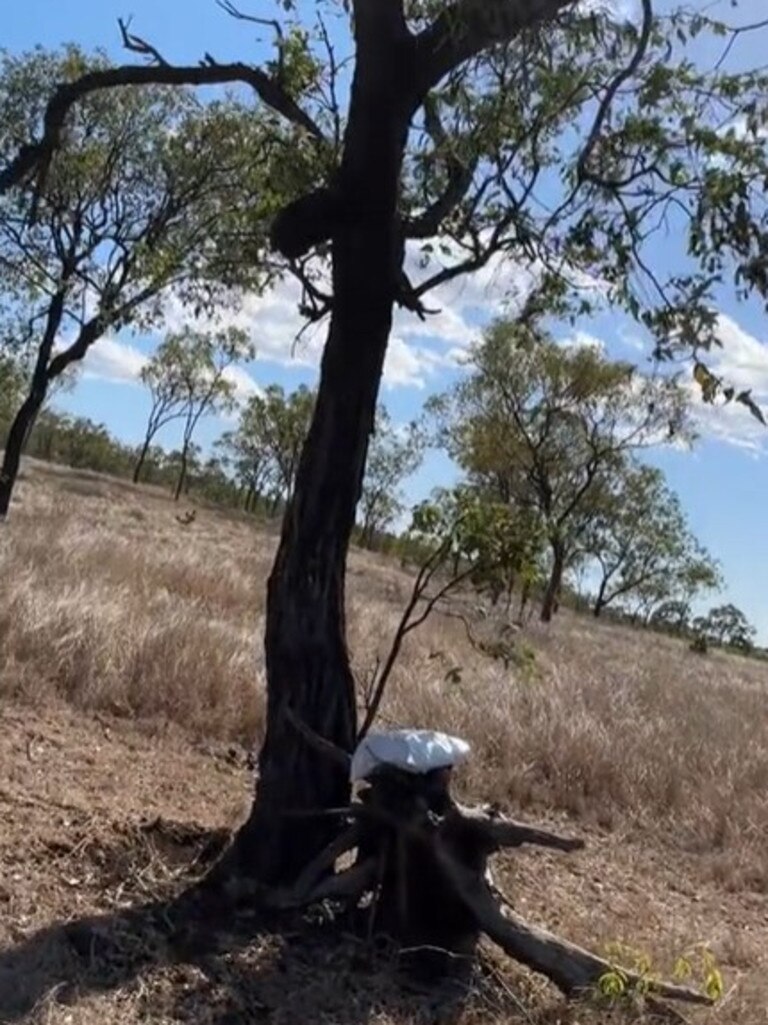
{"x":726,"y":625}
{"x":11,"y":387}
{"x":148,"y":191}
{"x":393,"y":455}
{"x":198,"y":362}
{"x":281,"y":422}
{"x":162,"y":375}
{"x":640,"y":542}
{"x":674,"y":615}
{"x":247,"y":454}
{"x":545,"y":427}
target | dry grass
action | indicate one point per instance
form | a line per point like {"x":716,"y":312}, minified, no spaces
{"x":110,"y":606}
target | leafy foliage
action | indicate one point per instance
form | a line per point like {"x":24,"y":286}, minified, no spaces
{"x":264,"y":450}
{"x":726,"y":625}
{"x":643,"y":549}
{"x":479,"y":538}
{"x":545,"y":427}
{"x":393,"y":455}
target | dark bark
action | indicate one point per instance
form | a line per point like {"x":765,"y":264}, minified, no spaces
{"x":600,"y":601}
{"x":308,"y":667}
{"x":14,"y":445}
{"x":182,"y":471}
{"x":24,"y":420}
{"x":552,"y":593}
{"x":140,"y":461}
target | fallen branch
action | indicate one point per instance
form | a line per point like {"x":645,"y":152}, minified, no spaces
{"x":501,"y":831}
{"x":574,"y":971}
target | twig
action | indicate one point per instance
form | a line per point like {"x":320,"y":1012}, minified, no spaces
{"x":582,"y":174}
{"x":138,"y":45}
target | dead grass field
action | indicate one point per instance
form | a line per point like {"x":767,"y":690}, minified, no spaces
{"x":131,"y":680}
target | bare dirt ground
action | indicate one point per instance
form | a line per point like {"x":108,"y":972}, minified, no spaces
{"x":122,"y":769}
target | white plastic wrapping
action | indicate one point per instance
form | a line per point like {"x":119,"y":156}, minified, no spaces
{"x":416,"y":751}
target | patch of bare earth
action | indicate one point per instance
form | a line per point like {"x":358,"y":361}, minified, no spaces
{"x":131,"y":686}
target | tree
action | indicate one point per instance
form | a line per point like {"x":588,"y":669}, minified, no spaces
{"x":674,"y":615}
{"x":145,"y":194}
{"x":162,"y":376}
{"x":199,"y":361}
{"x":266,"y":447}
{"x":726,"y":625}
{"x":641,"y":543}
{"x":545,"y":427}
{"x":11,"y":386}
{"x":393,"y":456}
{"x":459,"y":112}
{"x":246,"y":453}
{"x":286,"y":420}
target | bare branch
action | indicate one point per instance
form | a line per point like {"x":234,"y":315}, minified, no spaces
{"x":572,"y":969}
{"x":350,"y":884}
{"x":405,"y":625}
{"x":501,"y":831}
{"x":313,"y":873}
{"x":138,"y":45}
{"x":320,"y":744}
{"x":234,"y":12}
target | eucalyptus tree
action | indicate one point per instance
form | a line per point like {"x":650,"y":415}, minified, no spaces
{"x":549,"y":131}
{"x":546,"y":428}
{"x":149,"y":191}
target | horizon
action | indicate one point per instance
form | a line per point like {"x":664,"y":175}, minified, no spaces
{"x":715,"y":481}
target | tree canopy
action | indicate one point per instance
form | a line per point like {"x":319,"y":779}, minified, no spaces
{"x":545,"y":426}
{"x":558,"y":134}
{"x":149,"y":191}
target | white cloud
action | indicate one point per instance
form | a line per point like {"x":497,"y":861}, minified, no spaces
{"x":583,"y":340}
{"x":742,"y":363}
{"x":121,"y":363}
{"x":112,"y":360}
{"x":243,"y":383}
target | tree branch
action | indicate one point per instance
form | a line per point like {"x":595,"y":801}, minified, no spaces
{"x":35,"y":158}
{"x":460,"y":174}
{"x":582,"y":174}
{"x":320,"y":744}
{"x":500,"y":831}
{"x":572,"y":969}
{"x":466,"y":27}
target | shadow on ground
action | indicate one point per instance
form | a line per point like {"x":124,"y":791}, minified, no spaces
{"x":181,"y":959}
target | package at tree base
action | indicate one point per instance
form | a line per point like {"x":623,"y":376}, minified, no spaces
{"x":414,"y":751}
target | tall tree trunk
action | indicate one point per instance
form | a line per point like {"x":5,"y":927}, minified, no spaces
{"x":306,"y":654}
{"x":182,"y":471}
{"x":552,"y":593}
{"x":18,"y":434}
{"x":140,"y":461}
{"x":600,"y":601}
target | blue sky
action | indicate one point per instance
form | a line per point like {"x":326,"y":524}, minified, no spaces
{"x":722,"y":483}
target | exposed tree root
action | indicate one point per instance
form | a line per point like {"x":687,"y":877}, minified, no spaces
{"x":423,"y":859}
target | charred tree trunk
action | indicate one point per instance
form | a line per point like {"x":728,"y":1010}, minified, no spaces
{"x":19,"y":431}
{"x":552,"y":593}
{"x":308,"y":667}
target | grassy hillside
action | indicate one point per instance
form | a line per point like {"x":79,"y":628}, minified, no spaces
{"x":131,"y":680}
